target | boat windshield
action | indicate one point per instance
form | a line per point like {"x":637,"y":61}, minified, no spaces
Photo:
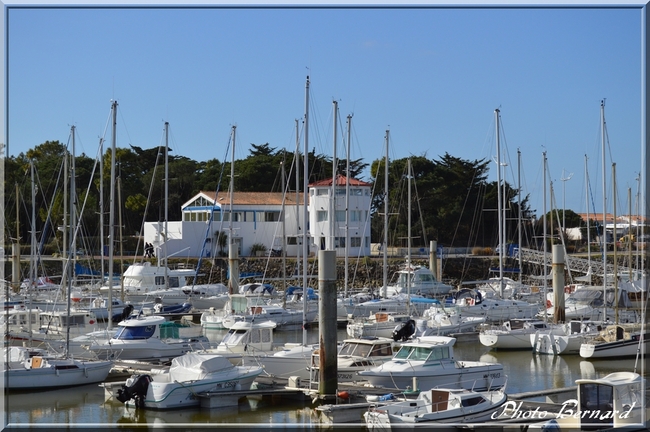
{"x":130,"y":333}
{"x":422,"y":353}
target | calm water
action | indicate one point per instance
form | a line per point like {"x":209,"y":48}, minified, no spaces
{"x":85,"y":406}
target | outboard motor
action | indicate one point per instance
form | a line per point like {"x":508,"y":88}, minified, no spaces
{"x":126,"y":312}
{"x":404,"y":331}
{"x":135,"y":388}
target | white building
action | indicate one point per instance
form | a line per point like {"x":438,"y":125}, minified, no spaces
{"x":257,"y":219}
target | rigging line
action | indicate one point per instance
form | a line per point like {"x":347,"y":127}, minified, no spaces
{"x":211,"y":219}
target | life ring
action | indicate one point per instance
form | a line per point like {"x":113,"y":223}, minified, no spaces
{"x":548,"y":304}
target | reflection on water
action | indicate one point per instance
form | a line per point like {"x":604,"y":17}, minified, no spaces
{"x":87,"y":405}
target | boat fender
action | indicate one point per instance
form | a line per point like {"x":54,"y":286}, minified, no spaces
{"x":343,"y":395}
{"x":386,"y":397}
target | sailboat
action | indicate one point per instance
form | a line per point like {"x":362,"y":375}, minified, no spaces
{"x":28,"y":369}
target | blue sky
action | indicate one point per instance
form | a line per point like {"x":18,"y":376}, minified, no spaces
{"x":432,"y":76}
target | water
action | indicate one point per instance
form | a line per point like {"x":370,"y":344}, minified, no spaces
{"x":86,"y":406}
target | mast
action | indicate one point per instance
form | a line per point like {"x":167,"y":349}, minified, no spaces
{"x":101,"y":205}
{"x":604,"y":233}
{"x":502,"y":244}
{"x":519,"y":213}
{"x":332,"y":239}
{"x":233,"y":256}
{"x":385,"y":263}
{"x":408,"y":234}
{"x":588,"y":227}
{"x":73,"y":239}
{"x":347,"y":207}
{"x":296,"y":161}
{"x":111,"y":216}
{"x":615,"y":276}
{"x":32,"y":258}
{"x":165,"y":237}
{"x":544,"y":232}
{"x":305,"y":203}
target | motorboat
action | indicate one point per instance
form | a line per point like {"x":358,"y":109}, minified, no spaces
{"x":399,"y":303}
{"x":575,"y":333}
{"x":446,"y":321}
{"x":55,"y":326}
{"x":495,"y":310}
{"x":98,"y":305}
{"x":189,"y":375}
{"x":354,"y":355}
{"x":150,"y":338}
{"x":617,"y":401}
{"x":36,"y":369}
{"x":597,"y":304}
{"x":429,"y":362}
{"x":417,"y":280}
{"x":257,"y":308}
{"x":515,"y":333}
{"x":140,"y":279}
{"x":379,"y":324}
{"x":617,"y":341}
{"x":435,"y":406}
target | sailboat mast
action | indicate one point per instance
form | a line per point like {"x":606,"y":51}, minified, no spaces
{"x":614,"y":242}
{"x":385,"y":248}
{"x":73,"y":237}
{"x":32,"y":259}
{"x":499,"y":206}
{"x":332,"y":245}
{"x":544,"y":231}
{"x":604,"y":231}
{"x":305,"y":203}
{"x":111,"y":215}
{"x":233,"y":252}
{"x":165,"y":239}
{"x":347,"y":207}
{"x":588,"y":228}
{"x":408,"y":242}
{"x":101,"y":204}
{"x":296,"y":161}
{"x":519,"y":235}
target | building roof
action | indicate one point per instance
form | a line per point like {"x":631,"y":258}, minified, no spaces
{"x":341,"y":180}
{"x":248,"y":198}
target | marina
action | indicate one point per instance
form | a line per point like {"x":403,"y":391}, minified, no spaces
{"x":534,"y":381}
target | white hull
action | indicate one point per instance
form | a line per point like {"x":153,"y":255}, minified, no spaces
{"x":616,"y":349}
{"x":286,"y":363}
{"x":172,"y":395}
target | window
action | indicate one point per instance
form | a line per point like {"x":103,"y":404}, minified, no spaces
{"x":355,"y":241}
{"x":339,"y":242}
{"x":248,"y":216}
{"x":355,"y":215}
{"x":269,"y":216}
{"x":322,"y":191}
{"x":322,"y":215}
{"x":340,"y":215}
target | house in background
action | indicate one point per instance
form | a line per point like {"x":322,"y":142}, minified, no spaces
{"x":266,"y":218}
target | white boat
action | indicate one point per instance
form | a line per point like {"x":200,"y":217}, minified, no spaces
{"x":435,"y":406}
{"x":515,"y":334}
{"x":189,"y":375}
{"x":206,"y":296}
{"x":417,"y":280}
{"x":398,"y":303}
{"x":98,"y":305}
{"x":617,"y":401}
{"x":575,"y":333}
{"x":261,"y":309}
{"x":140,"y":279}
{"x":441,"y":321}
{"x":617,"y":341}
{"x":429,"y":361}
{"x":380,"y":324}
{"x":28,"y":369}
{"x":54,"y":326}
{"x":354,"y":355}
{"x":150,"y":338}
{"x":594,"y":303}
{"x":495,"y":310}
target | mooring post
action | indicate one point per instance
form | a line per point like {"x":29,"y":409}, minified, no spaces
{"x":433,"y":259}
{"x":559,"y":315}
{"x":328,"y":379}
